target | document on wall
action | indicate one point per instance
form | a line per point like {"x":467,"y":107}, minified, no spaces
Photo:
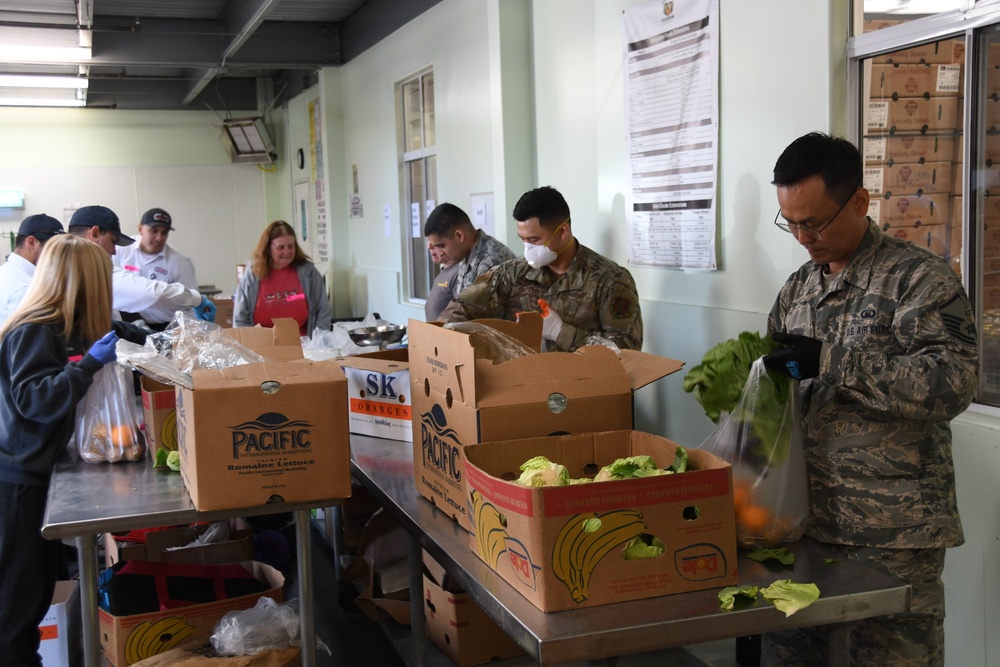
{"x":672,"y":115}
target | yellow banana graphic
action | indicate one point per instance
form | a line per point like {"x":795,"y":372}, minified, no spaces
{"x":582,"y":543}
{"x":491,"y":533}
{"x":155,"y":636}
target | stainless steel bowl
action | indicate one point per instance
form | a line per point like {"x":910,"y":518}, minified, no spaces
{"x":382,"y":336}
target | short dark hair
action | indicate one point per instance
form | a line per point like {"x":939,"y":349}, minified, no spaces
{"x":834,"y":159}
{"x":445,"y":219}
{"x":544,"y":203}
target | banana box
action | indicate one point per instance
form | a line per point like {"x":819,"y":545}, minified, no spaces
{"x":466,"y":389}
{"x":129,"y":639}
{"x":60,"y":629}
{"x":159,"y":413}
{"x":909,"y":178}
{"x":910,"y":210}
{"x":912,"y":114}
{"x":574,"y":546}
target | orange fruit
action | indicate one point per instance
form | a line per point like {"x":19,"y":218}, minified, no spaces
{"x":121,"y":436}
{"x":753,"y":517}
{"x":741,"y":494}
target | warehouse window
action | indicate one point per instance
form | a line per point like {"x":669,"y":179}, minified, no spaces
{"x":419,"y":183}
{"x":928,"y":119}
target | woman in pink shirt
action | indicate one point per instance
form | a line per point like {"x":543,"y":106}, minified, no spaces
{"x":281,"y":281}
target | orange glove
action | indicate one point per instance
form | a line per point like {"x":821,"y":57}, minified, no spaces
{"x":544,"y":305}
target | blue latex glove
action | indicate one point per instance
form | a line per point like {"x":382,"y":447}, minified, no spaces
{"x":205,"y":310}
{"x":104,"y":349}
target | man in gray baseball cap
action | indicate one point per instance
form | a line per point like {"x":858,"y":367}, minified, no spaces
{"x":16,"y":273}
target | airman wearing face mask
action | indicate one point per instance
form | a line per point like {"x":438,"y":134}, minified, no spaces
{"x":586,"y":294}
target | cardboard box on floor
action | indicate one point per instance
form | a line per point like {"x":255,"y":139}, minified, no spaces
{"x":274,"y":431}
{"x":163,"y":546}
{"x":159,"y":412}
{"x":381,"y":569}
{"x":378,"y":394}
{"x":535,"y":538}
{"x":461,"y":397}
{"x":200,"y":653}
{"x":457,"y":625}
{"x":60,"y":629}
{"x":146,"y":632}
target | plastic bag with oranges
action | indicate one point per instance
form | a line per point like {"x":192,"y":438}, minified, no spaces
{"x":770,"y":487}
{"x":106,"y":424}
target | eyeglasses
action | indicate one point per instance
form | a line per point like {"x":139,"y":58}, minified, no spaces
{"x":812,"y":230}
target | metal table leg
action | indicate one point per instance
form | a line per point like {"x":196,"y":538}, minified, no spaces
{"x":335,"y":531}
{"x":86,"y":555}
{"x":417,"y":617}
{"x":838,"y":646}
{"x":307,"y":612}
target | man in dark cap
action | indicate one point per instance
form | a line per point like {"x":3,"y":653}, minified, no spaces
{"x":15,"y":275}
{"x":153,"y":258}
{"x":134,"y":293}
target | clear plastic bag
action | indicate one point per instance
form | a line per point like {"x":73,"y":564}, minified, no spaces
{"x":106,"y":424}
{"x":264,"y":627}
{"x":762,"y":439}
{"x":490,"y":343}
{"x":190,"y":343}
{"x":604,"y":342}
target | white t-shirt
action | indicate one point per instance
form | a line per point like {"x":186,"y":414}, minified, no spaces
{"x":168,"y":266}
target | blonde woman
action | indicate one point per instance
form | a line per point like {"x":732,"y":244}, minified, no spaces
{"x":50,"y":349}
{"x":281,"y":282}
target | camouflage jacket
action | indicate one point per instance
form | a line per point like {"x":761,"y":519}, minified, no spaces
{"x":595,"y":296}
{"x":899,"y":360}
{"x":486,"y":253}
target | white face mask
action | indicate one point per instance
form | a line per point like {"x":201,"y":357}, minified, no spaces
{"x":541,"y":255}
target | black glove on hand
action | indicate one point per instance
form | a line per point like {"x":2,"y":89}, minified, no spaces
{"x":800,"y":359}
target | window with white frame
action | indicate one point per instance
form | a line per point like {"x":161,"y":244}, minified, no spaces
{"x":927,"y":80}
{"x":419,"y":182}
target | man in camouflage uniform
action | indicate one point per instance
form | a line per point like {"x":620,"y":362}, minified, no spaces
{"x":587,"y":294}
{"x":881,"y":336}
{"x":450,"y":232}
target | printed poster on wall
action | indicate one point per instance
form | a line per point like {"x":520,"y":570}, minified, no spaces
{"x":672,"y":116}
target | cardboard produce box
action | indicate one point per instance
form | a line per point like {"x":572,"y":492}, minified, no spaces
{"x":912,"y":114}
{"x":200,"y":653}
{"x":940,"y":52}
{"x":887,"y":150}
{"x":909,"y":178}
{"x":541,"y":539}
{"x":457,"y":625}
{"x":378,"y":394}
{"x":274,"y":431}
{"x":60,"y":629}
{"x":175,"y":546}
{"x":910,"y":210}
{"x":915,"y":80}
{"x":461,"y":397}
{"x":223,"y":311}
{"x":128,"y":639}
{"x":936,"y":238}
{"x":159,"y":412}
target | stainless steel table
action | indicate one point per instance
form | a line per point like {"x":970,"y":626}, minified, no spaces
{"x":88,"y":499}
{"x":850,"y":591}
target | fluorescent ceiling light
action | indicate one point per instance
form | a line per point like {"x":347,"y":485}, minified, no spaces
{"x":16,"y":53}
{"x":40,"y":102}
{"x":42,"y":81}
{"x":910,"y":6}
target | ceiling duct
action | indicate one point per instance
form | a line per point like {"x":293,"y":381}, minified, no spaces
{"x":249,"y":141}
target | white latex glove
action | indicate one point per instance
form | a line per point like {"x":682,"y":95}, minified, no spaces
{"x":552,"y":325}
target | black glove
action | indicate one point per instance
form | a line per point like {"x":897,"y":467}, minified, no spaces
{"x":800,"y":359}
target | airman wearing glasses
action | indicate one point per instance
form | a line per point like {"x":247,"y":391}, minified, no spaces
{"x":881,"y":339}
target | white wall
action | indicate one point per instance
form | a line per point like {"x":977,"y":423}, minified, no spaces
{"x":131,"y":161}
